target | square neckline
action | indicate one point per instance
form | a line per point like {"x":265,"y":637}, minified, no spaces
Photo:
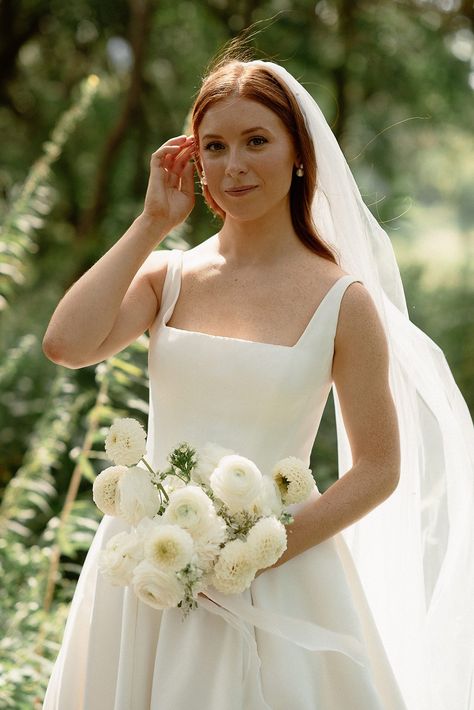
{"x":245,"y":340}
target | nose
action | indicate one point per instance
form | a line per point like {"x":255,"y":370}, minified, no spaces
{"x":235,"y":164}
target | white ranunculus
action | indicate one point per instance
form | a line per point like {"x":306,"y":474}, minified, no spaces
{"x":191,"y":509}
{"x":294,"y":480}
{"x":269,"y":502}
{"x":148,"y":525}
{"x":267,"y":540}
{"x":169,"y":547}
{"x":137,"y":496}
{"x":125,"y":442}
{"x":206,"y":549}
{"x":119,"y":557}
{"x":208,"y":459}
{"x":237,"y":482}
{"x":235,"y":569}
{"x":104,"y":489}
{"x":157,"y":588}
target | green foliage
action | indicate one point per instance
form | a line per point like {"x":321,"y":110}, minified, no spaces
{"x":28,"y":502}
{"x":28,"y":210}
{"x":39,"y":505}
{"x":23,"y":669}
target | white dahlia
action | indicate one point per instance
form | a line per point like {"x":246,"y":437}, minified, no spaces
{"x":157,"y":588}
{"x":237,"y":482}
{"x":191,"y":509}
{"x":169,"y":547}
{"x":267,"y":540}
{"x":125,"y":442}
{"x":235,"y":569}
{"x":208,"y":459}
{"x":104,"y":489}
{"x":294,"y":480}
{"x":119,"y":557}
{"x":137,"y":496}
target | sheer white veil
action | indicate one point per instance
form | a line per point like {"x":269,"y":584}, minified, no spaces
{"x":415,"y":552}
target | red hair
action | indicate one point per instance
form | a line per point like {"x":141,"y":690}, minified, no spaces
{"x":258,"y":83}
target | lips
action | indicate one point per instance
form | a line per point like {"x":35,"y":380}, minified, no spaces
{"x":243,"y":189}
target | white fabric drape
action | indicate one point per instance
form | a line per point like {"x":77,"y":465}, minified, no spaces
{"x":414,"y":552}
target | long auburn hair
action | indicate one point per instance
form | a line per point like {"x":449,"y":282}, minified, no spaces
{"x":234,"y":77}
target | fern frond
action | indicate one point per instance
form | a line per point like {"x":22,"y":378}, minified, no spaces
{"x":35,"y":199}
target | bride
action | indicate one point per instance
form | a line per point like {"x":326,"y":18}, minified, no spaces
{"x":298,"y":292}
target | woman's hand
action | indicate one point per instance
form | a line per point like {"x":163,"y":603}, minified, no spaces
{"x":170,"y":192}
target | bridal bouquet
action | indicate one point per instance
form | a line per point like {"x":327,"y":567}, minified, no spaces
{"x":210,"y":519}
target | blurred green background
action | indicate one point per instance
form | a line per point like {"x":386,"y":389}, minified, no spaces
{"x":88,"y":90}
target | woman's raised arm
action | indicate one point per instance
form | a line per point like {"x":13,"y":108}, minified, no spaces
{"x":114,"y":301}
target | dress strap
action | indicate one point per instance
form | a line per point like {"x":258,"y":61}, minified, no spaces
{"x":336,"y":293}
{"x":171,"y":286}
{"x":326,"y":315}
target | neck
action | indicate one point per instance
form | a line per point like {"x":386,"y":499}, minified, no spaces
{"x":264,"y":240}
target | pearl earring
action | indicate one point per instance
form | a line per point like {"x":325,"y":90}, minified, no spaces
{"x":203,"y":179}
{"x":300,"y":171}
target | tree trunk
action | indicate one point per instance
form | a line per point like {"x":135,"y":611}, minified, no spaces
{"x":140,"y":22}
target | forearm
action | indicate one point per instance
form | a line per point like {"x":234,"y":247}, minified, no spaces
{"x":87,"y":312}
{"x":349,"y":499}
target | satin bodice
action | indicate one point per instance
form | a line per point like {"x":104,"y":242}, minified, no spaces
{"x":264,"y":401}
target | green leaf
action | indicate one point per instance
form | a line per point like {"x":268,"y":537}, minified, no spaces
{"x":127,"y":367}
{"x":86,"y":468}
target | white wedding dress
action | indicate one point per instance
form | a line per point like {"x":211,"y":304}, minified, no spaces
{"x":303,"y":636}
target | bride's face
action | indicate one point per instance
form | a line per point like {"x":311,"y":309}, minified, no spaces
{"x":244,"y":144}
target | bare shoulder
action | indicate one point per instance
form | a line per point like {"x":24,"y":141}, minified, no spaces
{"x":316,"y":270}
{"x":155,"y":267}
{"x":155,"y":262}
{"x":154,"y":270}
{"x":357,"y":308}
{"x":360,"y":334}
{"x":200,"y":257}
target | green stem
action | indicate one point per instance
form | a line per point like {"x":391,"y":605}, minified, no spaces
{"x":162,"y":490}
{"x":148,"y":466}
{"x":158,"y":484}
{"x":184,"y":478}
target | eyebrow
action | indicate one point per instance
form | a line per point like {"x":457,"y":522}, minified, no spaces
{"x":247,"y":130}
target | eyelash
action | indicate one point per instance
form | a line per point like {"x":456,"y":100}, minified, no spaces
{"x":260,"y":138}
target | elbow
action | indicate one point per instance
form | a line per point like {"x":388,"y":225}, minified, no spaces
{"x":383,"y":477}
{"x":390,"y":464}
{"x":394,"y":485}
{"x":49,"y":349}
{"x":57,"y":354}
{"x":53,"y":350}
{"x":393,"y":479}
